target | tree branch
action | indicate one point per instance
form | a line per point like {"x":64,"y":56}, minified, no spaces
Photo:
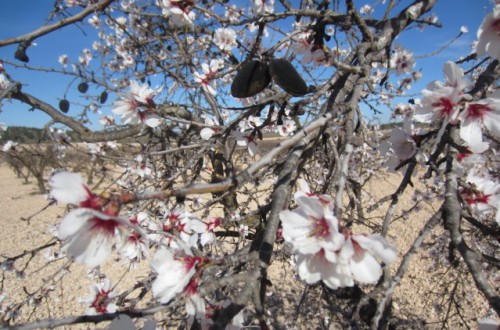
{"x":27,"y":38}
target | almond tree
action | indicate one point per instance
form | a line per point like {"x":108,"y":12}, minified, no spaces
{"x":197,"y":87}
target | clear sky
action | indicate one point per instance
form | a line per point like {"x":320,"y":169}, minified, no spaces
{"x":21,"y":16}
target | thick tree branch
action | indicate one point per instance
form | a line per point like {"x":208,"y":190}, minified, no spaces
{"x":85,"y":133}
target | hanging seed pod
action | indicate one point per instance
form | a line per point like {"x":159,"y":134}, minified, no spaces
{"x":64,"y":105}
{"x":103,"y":98}
{"x":83,"y":87}
{"x":252,"y":78}
{"x":285,"y":75}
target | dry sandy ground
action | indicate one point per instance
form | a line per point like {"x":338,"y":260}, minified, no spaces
{"x":417,"y":298}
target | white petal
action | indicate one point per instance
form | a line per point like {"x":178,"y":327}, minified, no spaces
{"x":365,"y":268}
{"x":470,"y":132}
{"x":152,"y":120}
{"x":492,"y":122}
{"x":73,"y":222}
{"x":306,"y":269}
{"x":69,"y":188}
{"x":88,"y":247}
{"x":378,"y":246}
{"x":206,"y":133}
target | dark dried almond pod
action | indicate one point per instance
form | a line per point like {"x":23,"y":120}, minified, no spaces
{"x":83,"y":87}
{"x":285,"y":75}
{"x":64,"y":105}
{"x":103,"y":98}
{"x":252,"y":78}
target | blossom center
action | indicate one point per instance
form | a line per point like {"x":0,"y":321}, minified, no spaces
{"x":444,"y":105}
{"x":101,"y":301}
{"x":477,"y":111}
{"x":106,"y":226}
{"x":321,"y":228}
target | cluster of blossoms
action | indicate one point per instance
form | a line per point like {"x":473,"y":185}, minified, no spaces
{"x":93,"y":228}
{"x":326,"y":252}
{"x":449,"y":102}
{"x":138,"y":106}
{"x":225,"y":39}
{"x":264,"y":6}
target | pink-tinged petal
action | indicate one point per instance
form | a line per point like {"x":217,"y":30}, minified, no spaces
{"x":210,"y":89}
{"x":69,"y":188}
{"x":205,"y":68}
{"x":207,"y":238}
{"x":454,"y":75}
{"x":365,"y":268}
{"x":196,"y":225}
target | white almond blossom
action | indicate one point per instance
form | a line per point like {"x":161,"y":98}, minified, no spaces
{"x":88,"y":231}
{"x":207,"y":78}
{"x":323,"y":252}
{"x":402,"y":60}
{"x":225,"y":39}
{"x":179,"y":11}
{"x":100,"y":300}
{"x":366,"y":10}
{"x":246,"y":140}
{"x":482,"y":113}
{"x":175,"y":270}
{"x":137,"y":106}
{"x":488,"y":37}
{"x":482,"y":193}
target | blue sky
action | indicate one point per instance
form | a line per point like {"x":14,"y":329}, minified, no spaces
{"x":21,"y":16}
